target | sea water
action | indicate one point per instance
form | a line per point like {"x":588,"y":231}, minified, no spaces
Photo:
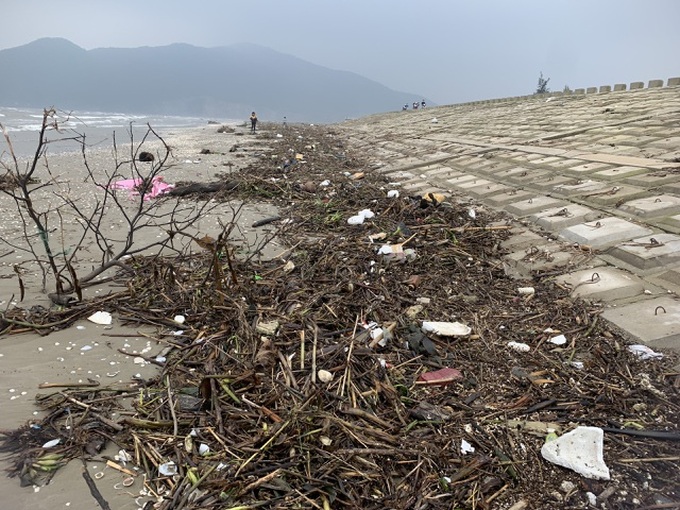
{"x":100,"y":129}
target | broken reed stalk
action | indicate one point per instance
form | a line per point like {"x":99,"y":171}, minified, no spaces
{"x":171,"y":405}
{"x":262,"y":448}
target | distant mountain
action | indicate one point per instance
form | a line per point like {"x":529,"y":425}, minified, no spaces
{"x":180,"y":79}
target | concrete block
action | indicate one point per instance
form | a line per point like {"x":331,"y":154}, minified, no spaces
{"x":668,"y":142}
{"x":619,"y":172}
{"x":655,"y":84}
{"x":522,"y":239}
{"x":508,"y":197}
{"x":615,"y":195}
{"x":654,"y":206}
{"x":591,"y":90}
{"x":588,"y":167}
{"x":526,"y":177}
{"x":637,"y":85}
{"x":604,"y":233}
{"x":458,"y":179}
{"x":669,"y":279}
{"x":465,"y":185}
{"x":550,"y":181}
{"x":619,"y":86}
{"x":654,"y":322}
{"x":487,"y":190}
{"x":544,"y":257}
{"x":605,"y":88}
{"x":533,"y":205}
{"x":603,"y":284}
{"x":580,"y":188}
{"x":653,"y":179}
{"x":579,"y":91}
{"x":558,"y":218}
{"x":673,"y":82}
{"x":649,"y":252}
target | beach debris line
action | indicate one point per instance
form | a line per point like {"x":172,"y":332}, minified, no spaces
{"x":279,"y":392}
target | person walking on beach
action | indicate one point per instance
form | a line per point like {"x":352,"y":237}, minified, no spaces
{"x":253,"y":122}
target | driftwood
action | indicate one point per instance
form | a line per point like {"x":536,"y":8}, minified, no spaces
{"x":203,"y":187}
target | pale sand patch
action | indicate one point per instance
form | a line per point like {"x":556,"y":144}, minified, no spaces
{"x":27,"y":360}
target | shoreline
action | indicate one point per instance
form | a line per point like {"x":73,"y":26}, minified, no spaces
{"x":23,"y":125}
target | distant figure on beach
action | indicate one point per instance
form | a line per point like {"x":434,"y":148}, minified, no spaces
{"x":253,"y":122}
{"x":285,"y":122}
{"x":404,"y":108}
{"x":415,"y":105}
{"x":422,"y":104}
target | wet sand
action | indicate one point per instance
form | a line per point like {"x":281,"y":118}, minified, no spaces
{"x":89,"y":351}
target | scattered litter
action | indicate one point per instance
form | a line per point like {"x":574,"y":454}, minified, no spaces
{"x":203,"y":449}
{"x":396,"y":252}
{"x":425,"y":411}
{"x":157,"y":187}
{"x":393,"y":193}
{"x":439,"y":377}
{"x":377,"y":237}
{"x":102,"y":318}
{"x":324,"y":376}
{"x":267,"y":328}
{"x":643,"y":352}
{"x":179,"y":319}
{"x":580,"y":450}
{"x":519,"y":346}
{"x":86,"y":348}
{"x":413,"y":311}
{"x":446,"y":328}
{"x":592,"y":499}
{"x":167,"y":468}
{"x":466,"y":447}
{"x":52,"y":443}
{"x":526,"y":290}
{"x":434,"y":198}
{"x":558,"y":340}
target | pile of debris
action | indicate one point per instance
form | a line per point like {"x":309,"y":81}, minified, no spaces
{"x":383,"y":360}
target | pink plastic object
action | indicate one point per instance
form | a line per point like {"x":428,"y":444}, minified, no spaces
{"x":158,"y":187}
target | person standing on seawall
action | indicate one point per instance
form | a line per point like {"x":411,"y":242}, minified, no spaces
{"x":253,"y":122}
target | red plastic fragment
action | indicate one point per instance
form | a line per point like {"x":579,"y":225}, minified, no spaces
{"x":441,"y":377}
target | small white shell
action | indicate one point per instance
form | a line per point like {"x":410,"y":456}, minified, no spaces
{"x":324,"y":376}
{"x":103,"y":318}
{"x":167,"y":469}
{"x":519,"y":346}
{"x":558,"y":340}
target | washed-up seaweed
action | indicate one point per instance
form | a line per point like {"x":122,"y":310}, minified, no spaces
{"x":298,"y":382}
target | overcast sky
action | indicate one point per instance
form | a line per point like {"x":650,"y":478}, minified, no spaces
{"x":449,"y":51}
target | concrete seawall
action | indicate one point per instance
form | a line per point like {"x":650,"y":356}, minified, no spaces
{"x":590,"y":179}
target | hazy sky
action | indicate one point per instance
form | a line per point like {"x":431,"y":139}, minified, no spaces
{"x":449,"y":51}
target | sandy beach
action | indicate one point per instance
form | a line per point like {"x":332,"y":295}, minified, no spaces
{"x":88,"y":351}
